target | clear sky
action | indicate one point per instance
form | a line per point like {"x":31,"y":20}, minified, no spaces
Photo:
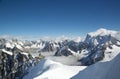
{"x":57,"y":17}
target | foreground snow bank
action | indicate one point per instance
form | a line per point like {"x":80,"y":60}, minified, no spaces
{"x":101,"y":70}
{"x":48,"y":69}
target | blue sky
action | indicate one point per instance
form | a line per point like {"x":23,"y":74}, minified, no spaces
{"x":57,"y":17}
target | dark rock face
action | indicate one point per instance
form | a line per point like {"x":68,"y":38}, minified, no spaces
{"x":97,"y":50}
{"x":10,"y":67}
{"x":95,"y":45}
{"x":14,"y":65}
{"x":2,"y":43}
{"x":73,"y":46}
{"x":64,"y":51}
{"x":93,"y":57}
{"x":66,"y":45}
{"x":48,"y":47}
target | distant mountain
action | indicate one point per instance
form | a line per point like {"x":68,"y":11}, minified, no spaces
{"x":98,"y":45}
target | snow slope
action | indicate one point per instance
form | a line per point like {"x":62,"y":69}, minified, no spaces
{"x":8,"y":52}
{"x":101,"y":70}
{"x":111,"y":53}
{"x":48,"y":69}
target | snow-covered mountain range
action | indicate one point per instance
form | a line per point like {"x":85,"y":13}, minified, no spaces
{"x":95,"y":46}
{"x":99,"y":46}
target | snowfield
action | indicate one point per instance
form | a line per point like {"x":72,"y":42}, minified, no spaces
{"x":48,"y":69}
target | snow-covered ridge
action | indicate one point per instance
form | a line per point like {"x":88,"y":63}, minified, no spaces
{"x":7,"y":52}
{"x":101,"y":70}
{"x":48,"y":69}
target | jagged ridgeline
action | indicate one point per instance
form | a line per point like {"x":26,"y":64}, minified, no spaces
{"x":99,"y":45}
{"x":15,"y":61}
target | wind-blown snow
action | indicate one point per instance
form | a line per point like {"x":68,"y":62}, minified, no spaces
{"x":48,"y":69}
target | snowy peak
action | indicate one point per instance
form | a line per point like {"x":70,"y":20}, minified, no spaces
{"x":102,"y":32}
{"x":100,"y":37}
{"x":78,"y":39}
